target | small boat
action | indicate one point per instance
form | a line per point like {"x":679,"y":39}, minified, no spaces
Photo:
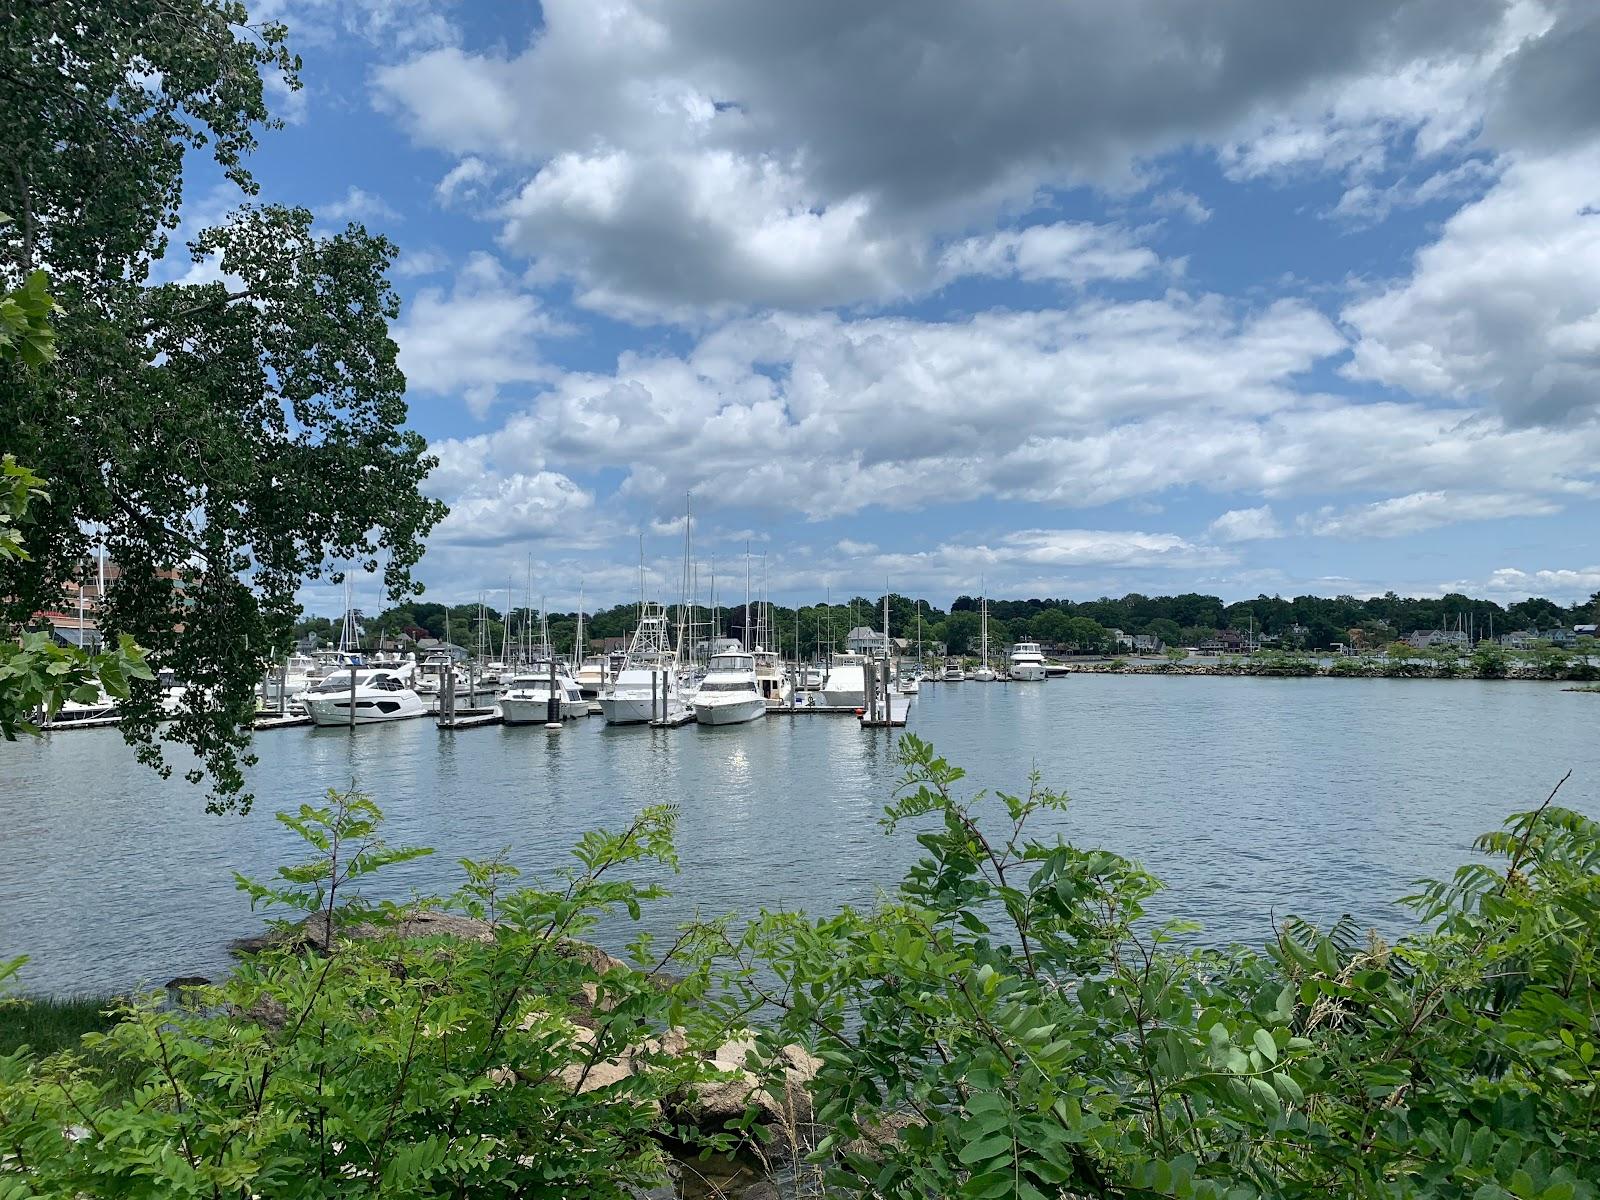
{"x":1027,"y":662}
{"x":591,"y":675}
{"x":378,"y":694}
{"x":771,"y":680}
{"x":730,"y":693}
{"x":953,"y":672}
{"x":526,"y":699}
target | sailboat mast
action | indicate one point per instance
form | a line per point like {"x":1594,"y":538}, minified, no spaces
{"x":746,"y":630}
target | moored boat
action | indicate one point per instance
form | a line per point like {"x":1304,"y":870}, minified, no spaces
{"x":730,"y":693}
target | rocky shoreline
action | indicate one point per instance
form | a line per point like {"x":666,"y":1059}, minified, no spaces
{"x":742,"y":1075}
{"x":1338,"y":668}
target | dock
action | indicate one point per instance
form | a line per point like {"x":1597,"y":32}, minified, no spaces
{"x":280,"y":721}
{"x":820,"y":710}
{"x":686,"y":717}
{"x":471,"y":718}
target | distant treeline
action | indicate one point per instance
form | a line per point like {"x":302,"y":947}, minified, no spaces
{"x":1311,"y":622}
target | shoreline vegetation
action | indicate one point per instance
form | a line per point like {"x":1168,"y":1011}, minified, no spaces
{"x":1483,"y":664}
{"x":1005,"y":1023}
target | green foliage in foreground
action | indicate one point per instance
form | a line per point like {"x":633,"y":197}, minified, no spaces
{"x":1033,"y":1036}
{"x":403,"y":1067}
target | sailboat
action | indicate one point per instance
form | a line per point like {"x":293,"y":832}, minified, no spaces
{"x":984,"y":672}
{"x":910,"y":683}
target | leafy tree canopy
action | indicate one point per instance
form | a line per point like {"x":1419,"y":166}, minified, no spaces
{"x":225,"y":441}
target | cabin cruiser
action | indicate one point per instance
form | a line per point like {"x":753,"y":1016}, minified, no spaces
{"x":730,"y":694}
{"x":526,"y":699}
{"x":1027,"y":661}
{"x":433,"y":672}
{"x":378,"y":694}
{"x":844,"y":682}
{"x":592,"y":674}
{"x":953,"y":672}
{"x":774,"y":685}
{"x":646,"y":688}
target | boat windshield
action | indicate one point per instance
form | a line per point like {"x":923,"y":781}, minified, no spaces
{"x":729,"y":686}
{"x":732,"y":662}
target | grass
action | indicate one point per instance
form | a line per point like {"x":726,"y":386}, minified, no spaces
{"x":48,"y":1024}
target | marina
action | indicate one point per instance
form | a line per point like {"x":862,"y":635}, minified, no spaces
{"x":1250,"y":797}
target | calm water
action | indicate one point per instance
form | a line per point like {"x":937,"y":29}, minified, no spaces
{"x":1250,"y":797}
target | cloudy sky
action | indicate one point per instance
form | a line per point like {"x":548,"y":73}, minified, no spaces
{"x":1079,"y":298}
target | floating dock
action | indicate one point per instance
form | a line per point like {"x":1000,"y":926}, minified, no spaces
{"x":683,"y":718}
{"x":471,"y":718}
{"x":280,"y":721}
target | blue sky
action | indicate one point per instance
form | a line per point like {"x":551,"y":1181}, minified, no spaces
{"x":1078,"y":299}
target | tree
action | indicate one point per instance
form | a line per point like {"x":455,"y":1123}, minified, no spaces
{"x":961,"y":632}
{"x":1168,"y":630}
{"x":226,"y":440}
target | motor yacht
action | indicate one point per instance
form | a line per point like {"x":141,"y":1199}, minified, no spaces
{"x":844,"y":682}
{"x":646,"y":688}
{"x":1027,"y":661}
{"x":526,"y":698}
{"x":953,"y":672}
{"x":730,"y":694}
{"x":378,"y":694}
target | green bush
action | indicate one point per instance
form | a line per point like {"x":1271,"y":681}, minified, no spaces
{"x":1011,"y":1024}
{"x":385,"y":1064}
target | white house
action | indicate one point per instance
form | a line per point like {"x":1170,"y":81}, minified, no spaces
{"x":862,"y":640}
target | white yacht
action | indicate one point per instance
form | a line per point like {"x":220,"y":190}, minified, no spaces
{"x":646,"y":688}
{"x":1027,"y":661}
{"x":953,"y":672}
{"x":730,"y":694}
{"x":526,"y":699}
{"x":379,"y":694}
{"x":592,"y":674}
{"x":844,"y":682}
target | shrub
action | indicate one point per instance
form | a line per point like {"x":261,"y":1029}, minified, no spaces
{"x":384,"y":1064}
{"x":1010,"y":1024}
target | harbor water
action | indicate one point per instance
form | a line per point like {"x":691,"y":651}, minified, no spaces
{"x":1250,"y":797}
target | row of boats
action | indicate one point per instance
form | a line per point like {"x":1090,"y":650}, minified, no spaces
{"x":653,"y":683}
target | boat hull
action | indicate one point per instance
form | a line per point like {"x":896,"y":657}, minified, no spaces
{"x":335,"y":710}
{"x":635,"y":710}
{"x":734,"y":713}
{"x":537,"y":712}
{"x":1027,"y":672}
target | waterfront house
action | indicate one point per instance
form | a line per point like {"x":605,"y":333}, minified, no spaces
{"x":862,"y":640}
{"x":1146,"y":643}
{"x":1426,"y":639}
{"x":1223,"y":641}
{"x":1521,"y":639}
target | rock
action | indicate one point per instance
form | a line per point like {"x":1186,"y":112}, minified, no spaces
{"x":765,"y":1190}
{"x":582,"y":1078}
{"x":187,"y":981}
{"x":883,"y":1133}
